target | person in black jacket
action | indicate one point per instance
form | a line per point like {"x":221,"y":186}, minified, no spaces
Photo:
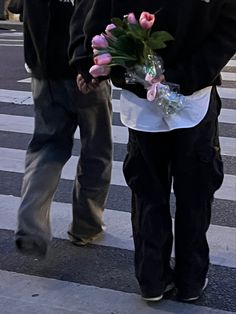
{"x":180,"y":150}
{"x":59,"y":109}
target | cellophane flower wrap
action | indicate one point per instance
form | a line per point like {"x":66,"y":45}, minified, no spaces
{"x":130,"y":43}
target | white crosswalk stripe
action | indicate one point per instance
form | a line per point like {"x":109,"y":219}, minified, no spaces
{"x":12,"y":160}
{"x":22,"y":97}
{"x":118,"y":229}
{"x":231,"y":63}
{"x":11,"y":45}
{"x":228,"y":76}
{"x":225,"y":92}
{"x":21,"y":124}
{"x":59,"y":296}
{"x":25,"y":98}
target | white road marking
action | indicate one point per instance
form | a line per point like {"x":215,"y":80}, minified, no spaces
{"x":13,"y":160}
{"x":11,"y":45}
{"x":228,"y":76}
{"x":118,"y":231}
{"x":21,"y":124}
{"x":231,"y":63}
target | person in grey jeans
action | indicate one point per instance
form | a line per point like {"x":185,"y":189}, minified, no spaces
{"x":59,"y":108}
{"x":2,"y":13}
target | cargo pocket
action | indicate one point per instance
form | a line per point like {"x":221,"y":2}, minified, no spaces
{"x":211,"y":169}
{"x":133,"y":166}
{"x":130,"y":167}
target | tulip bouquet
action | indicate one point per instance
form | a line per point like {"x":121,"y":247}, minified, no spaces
{"x":130,"y":43}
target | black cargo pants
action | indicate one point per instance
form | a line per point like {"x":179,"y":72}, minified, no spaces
{"x":189,"y":159}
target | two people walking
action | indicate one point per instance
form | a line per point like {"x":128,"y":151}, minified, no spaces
{"x":187,"y":158}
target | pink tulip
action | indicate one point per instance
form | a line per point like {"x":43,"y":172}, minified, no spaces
{"x":131,"y":18}
{"x":99,"y":41}
{"x":109,"y":28}
{"x":99,"y":70}
{"x":103,"y":59}
{"x":146,"y":20}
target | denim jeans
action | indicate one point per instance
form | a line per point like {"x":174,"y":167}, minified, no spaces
{"x":59,"y":109}
{"x":2,"y":9}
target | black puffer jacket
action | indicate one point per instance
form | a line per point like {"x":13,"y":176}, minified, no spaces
{"x":46,"y":37}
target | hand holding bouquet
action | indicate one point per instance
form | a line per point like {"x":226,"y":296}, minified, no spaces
{"x":130,"y":43}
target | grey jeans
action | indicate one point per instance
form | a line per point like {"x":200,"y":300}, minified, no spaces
{"x":2,"y":9}
{"x":59,"y":109}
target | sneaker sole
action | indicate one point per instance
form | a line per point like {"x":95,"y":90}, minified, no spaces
{"x":196,"y":297}
{"x":168,"y":288}
{"x":155,"y":299}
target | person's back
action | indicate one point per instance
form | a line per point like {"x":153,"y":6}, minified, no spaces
{"x":183,"y":155}
{"x":46,"y":38}
{"x":59,"y":109}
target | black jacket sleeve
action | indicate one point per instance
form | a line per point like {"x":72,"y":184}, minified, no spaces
{"x":78,"y":54}
{"x":203,"y":66}
{"x":84,"y":26}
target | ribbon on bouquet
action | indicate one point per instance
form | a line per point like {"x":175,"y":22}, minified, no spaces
{"x":155,"y":85}
{"x":152,"y":91}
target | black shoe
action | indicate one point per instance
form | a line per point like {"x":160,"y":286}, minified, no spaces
{"x":192,"y":296}
{"x":157,"y":298}
{"x":28,"y":245}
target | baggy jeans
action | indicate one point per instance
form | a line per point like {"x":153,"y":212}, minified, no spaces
{"x":59,"y":109}
{"x":190,"y":160}
{"x":2,"y":9}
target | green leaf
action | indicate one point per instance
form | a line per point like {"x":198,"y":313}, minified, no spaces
{"x":117,"y":32}
{"x":161,"y":36}
{"x":127,"y":47}
{"x":118,"y":22}
{"x":156,"y":45}
{"x":125,"y":44}
{"x":157,"y":39}
{"x":137,"y":31}
{"x":116,"y":61}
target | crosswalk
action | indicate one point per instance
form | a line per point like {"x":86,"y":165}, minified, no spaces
{"x":99,"y":279}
